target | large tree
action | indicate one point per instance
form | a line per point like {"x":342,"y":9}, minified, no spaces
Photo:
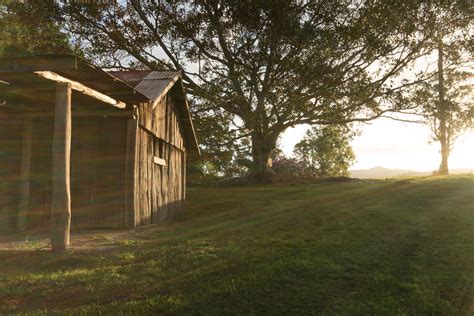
{"x":445,"y":99}
{"x":326,"y":150}
{"x":446,"y":105}
{"x":266,"y":65}
{"x":29,"y":28}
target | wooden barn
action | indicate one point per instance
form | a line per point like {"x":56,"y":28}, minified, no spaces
{"x":85,"y":148}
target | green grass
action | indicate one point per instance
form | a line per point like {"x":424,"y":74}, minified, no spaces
{"x":372,"y":247}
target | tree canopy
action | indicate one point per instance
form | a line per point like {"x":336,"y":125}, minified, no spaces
{"x":266,"y":65}
{"x":457,"y":112}
{"x":326,"y":150}
{"x":445,"y":98}
{"x":29,"y":28}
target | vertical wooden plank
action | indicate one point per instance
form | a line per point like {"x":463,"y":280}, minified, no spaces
{"x":164,"y":184}
{"x":130,"y":173}
{"x":150,"y":177}
{"x":144,"y":180}
{"x":177,"y":175}
{"x":156,"y":184}
{"x":25,"y":174}
{"x":177,"y":183}
{"x":147,"y":180}
{"x":161,"y":179}
{"x":175,"y":180}
{"x":170,"y":160}
{"x":61,"y":197}
{"x":78,"y":159}
{"x":164,"y":169}
{"x":162,"y":118}
{"x":183,"y":179}
{"x":143,"y":176}
{"x":153,"y":183}
{"x":139,"y":176}
{"x":170,"y":165}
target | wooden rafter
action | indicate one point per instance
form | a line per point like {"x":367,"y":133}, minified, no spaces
{"x":81,"y":88}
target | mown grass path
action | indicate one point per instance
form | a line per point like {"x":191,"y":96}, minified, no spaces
{"x":366,"y":247}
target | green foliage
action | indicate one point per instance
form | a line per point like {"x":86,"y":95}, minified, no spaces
{"x":223,"y":154}
{"x":326,"y":150}
{"x":458,"y":104}
{"x":266,"y":65}
{"x":31,"y":28}
{"x":355,"y":248}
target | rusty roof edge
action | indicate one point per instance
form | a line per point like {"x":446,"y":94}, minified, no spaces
{"x":189,"y":119}
{"x":114,"y":78}
{"x":170,"y":84}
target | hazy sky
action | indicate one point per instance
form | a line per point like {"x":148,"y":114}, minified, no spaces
{"x":398,"y":145}
{"x":393,"y":144}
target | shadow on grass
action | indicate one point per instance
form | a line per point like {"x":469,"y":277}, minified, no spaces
{"x":395,"y":247}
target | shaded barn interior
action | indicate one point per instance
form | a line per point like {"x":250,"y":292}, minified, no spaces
{"x":127,"y":159}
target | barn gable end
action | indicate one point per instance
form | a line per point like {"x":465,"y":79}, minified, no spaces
{"x":163,"y":137}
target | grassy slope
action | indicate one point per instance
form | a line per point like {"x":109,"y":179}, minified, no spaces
{"x":373,"y":247}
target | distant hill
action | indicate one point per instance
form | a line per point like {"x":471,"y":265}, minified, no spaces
{"x":382,"y":173}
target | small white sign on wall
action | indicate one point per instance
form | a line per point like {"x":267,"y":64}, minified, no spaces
{"x":159,"y":161}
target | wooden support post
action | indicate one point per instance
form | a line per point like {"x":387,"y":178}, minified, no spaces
{"x":131,"y":177}
{"x":25,"y":175}
{"x":61,"y":198}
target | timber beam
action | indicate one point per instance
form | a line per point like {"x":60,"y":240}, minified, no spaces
{"x":126,"y":114}
{"x":81,"y":88}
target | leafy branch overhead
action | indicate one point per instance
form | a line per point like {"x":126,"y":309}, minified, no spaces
{"x":268,"y":65}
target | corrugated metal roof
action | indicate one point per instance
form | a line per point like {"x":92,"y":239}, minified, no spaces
{"x":162,"y":75}
{"x":132,"y":77}
{"x":154,"y":85}
{"x":135,"y":76}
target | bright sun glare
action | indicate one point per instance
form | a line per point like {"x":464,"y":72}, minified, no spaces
{"x":397,"y":145}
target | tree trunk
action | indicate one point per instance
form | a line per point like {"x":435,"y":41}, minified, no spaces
{"x":262,"y":148}
{"x":443,"y":132}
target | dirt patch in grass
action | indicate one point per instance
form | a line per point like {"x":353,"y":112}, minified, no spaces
{"x":81,"y":240}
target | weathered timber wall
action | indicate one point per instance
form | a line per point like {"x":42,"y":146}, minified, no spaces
{"x":10,"y":154}
{"x":97,"y":172}
{"x":160,"y":189}
{"x":98,"y":157}
{"x":39,"y":205}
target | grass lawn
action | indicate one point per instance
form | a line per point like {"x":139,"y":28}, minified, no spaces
{"x":363,"y":247}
